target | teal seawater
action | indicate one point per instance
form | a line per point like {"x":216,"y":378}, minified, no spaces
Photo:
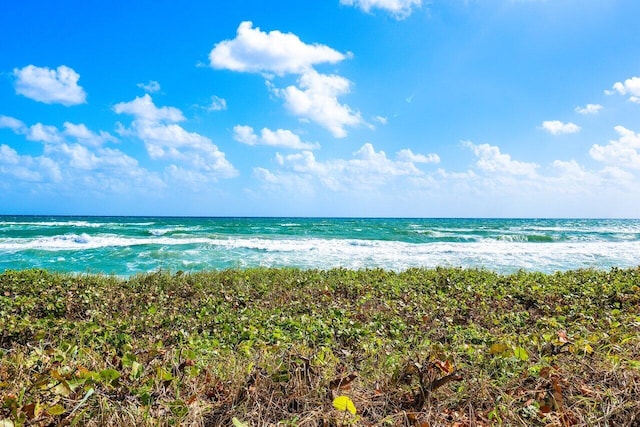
{"x":129,"y":245}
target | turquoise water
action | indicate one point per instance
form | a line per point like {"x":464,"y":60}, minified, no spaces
{"x":130,"y":245}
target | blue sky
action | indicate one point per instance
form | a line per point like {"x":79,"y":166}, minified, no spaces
{"x":446,"y":108}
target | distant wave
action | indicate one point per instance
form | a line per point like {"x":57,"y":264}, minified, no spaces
{"x":136,"y":245}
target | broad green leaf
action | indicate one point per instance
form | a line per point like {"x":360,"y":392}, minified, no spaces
{"x":109,"y":375}
{"x":521,"y":354}
{"x":344,"y":403}
{"x":128,"y":359}
{"x":136,"y":369}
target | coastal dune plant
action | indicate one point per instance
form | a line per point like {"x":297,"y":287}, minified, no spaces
{"x":257,"y":347}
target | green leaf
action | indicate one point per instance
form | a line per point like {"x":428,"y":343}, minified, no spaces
{"x":521,"y":354}
{"x":344,"y":403}
{"x":136,"y":369}
{"x":498,"y":348}
{"x":164,"y":375}
{"x":56,"y":409}
{"x":238,"y":423}
{"x":109,"y":375}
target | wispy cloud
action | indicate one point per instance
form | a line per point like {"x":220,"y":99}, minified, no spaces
{"x":151,"y":87}
{"x":400,"y":9}
{"x":589,"y":109}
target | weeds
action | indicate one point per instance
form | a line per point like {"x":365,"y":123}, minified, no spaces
{"x":306,"y":347}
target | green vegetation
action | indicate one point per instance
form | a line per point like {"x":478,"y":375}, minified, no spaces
{"x":295,"y":347}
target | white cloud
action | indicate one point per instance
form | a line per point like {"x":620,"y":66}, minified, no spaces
{"x":278,"y":138}
{"x":84,"y":166}
{"x":8,"y":155}
{"x":490,"y":159}
{"x":27,"y":168}
{"x":151,"y":87}
{"x":398,"y":8}
{"x":589,"y":109}
{"x":315,"y":97}
{"x":44,"y":133}
{"x":59,"y":86}
{"x":556,"y":127}
{"x":368,"y":170}
{"x":85,"y":136}
{"x":50,"y":134}
{"x":143,"y":108}
{"x":217,"y":104}
{"x":382,"y":120}
{"x":102,"y":159}
{"x":317,"y":100}
{"x":256,"y":51}
{"x":407,"y":155}
{"x":12,"y":123}
{"x":628,"y":87}
{"x":623,"y":152}
{"x":166,"y":140}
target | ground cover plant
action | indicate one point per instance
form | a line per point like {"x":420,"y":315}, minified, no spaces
{"x":423,"y":347}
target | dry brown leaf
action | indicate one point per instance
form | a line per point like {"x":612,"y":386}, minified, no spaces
{"x":562,"y":337}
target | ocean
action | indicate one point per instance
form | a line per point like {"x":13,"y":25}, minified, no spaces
{"x":125,"y":246}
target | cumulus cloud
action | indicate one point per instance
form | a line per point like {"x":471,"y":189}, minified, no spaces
{"x":368,"y":169}
{"x":490,"y":159}
{"x":85,"y":136}
{"x":164,"y":139}
{"x":278,"y":138}
{"x":143,"y":108}
{"x":102,"y":159}
{"x":256,"y":51}
{"x":408,"y":156}
{"x":556,"y":127}
{"x":316,"y":99}
{"x":623,"y":152}
{"x":44,"y":133}
{"x":59,"y":86}
{"x":30,"y":169}
{"x":71,"y":167}
{"x":51,"y":134}
{"x":400,"y":9}
{"x":151,"y":87}
{"x":589,"y":109}
{"x":629,"y":87}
